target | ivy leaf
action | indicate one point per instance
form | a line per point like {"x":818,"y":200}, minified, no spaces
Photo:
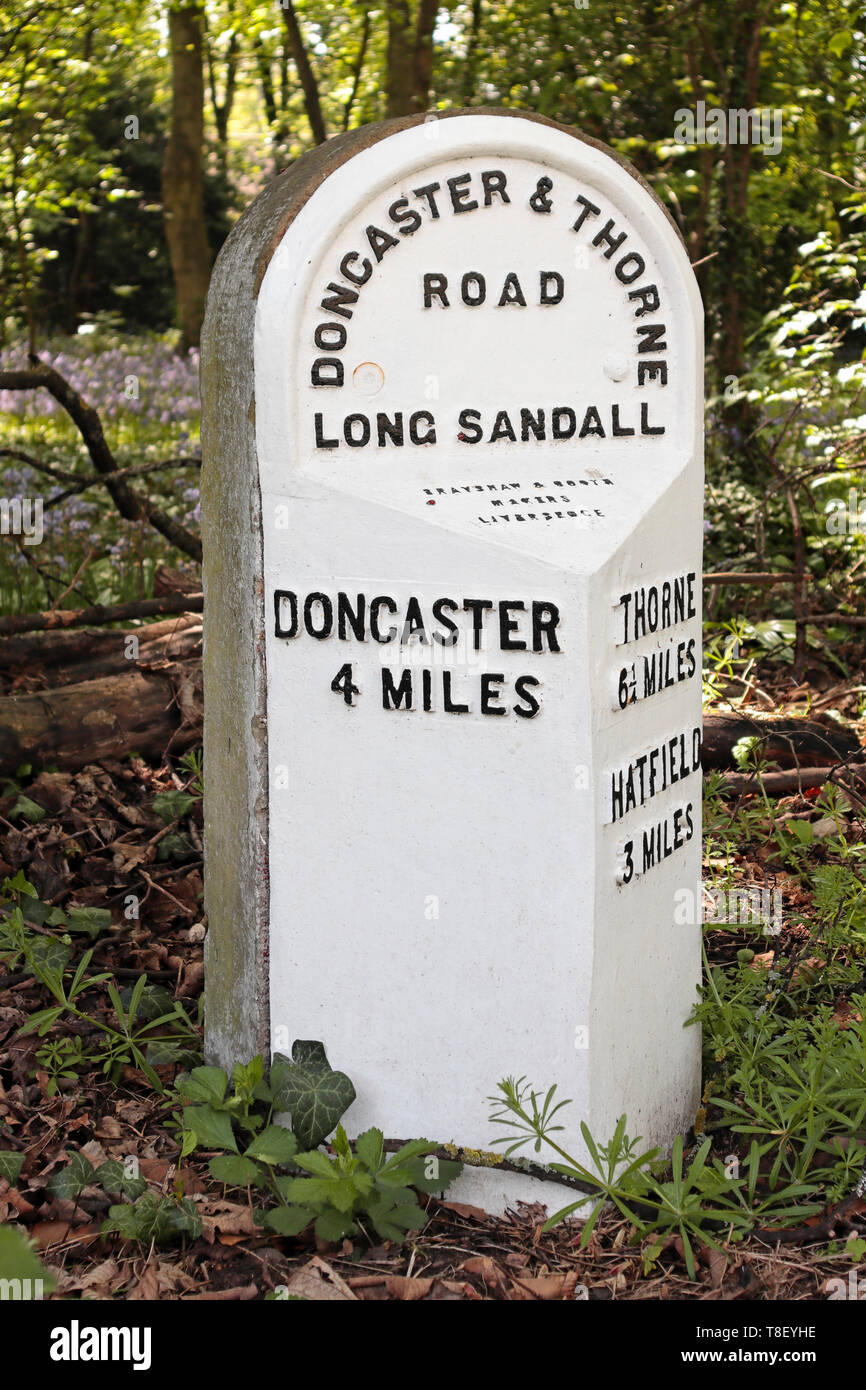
{"x":113,"y":1177}
{"x":92,"y":920}
{"x":11,"y":1164}
{"x":316,"y":1095}
{"x":49,"y":957}
{"x":70,"y":1181}
{"x":308,"y":1052}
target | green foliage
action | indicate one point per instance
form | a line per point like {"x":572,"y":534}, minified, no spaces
{"x":173,"y":805}
{"x":18,"y":1261}
{"x":691,"y":1196}
{"x":783,"y":1124}
{"x":150,"y":1028}
{"x":161,"y":1219}
{"x":341,"y":1195}
{"x":68,"y":1183}
{"x":11,"y":1164}
{"x":113,"y":1177}
{"x":145,"y":1216}
{"x":315,"y":1094}
{"x":343,"y":1192}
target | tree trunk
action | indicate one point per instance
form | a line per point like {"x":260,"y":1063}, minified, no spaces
{"x":358,"y":69}
{"x":470,"y":68}
{"x":148,"y":713}
{"x":222,"y":110}
{"x":423,"y":62}
{"x":306,"y":75}
{"x":182,"y":178}
{"x":409,"y":56}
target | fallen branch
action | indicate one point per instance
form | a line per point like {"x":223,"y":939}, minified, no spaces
{"x":148,"y":712}
{"x":781,"y":783}
{"x":842,"y":618}
{"x":746,"y":577}
{"x":788,"y":742}
{"x":131,"y":505}
{"x":54,"y":649}
{"x":102,"y":613}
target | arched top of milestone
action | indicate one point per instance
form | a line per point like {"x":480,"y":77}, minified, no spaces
{"x":263,"y":225}
{"x":619,"y":365}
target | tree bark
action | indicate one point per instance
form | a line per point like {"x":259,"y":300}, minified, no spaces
{"x":409,"y":56}
{"x":222,"y":110}
{"x":788,"y":742}
{"x":306,"y":75}
{"x":62,"y":652}
{"x":182,"y":177}
{"x":358,"y":70}
{"x":470,"y":69}
{"x":851,"y":780}
{"x":101,"y":613}
{"x":148,"y":713}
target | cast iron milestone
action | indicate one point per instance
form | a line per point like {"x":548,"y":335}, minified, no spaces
{"x":452,"y":492}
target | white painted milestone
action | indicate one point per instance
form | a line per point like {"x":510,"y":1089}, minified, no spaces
{"x":473,"y":564}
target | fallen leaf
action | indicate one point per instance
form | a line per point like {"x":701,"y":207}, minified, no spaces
{"x":487,"y":1270}
{"x":242,"y":1294}
{"x":464,"y":1209}
{"x":317,"y":1280}
{"x":550,"y":1287}
{"x":99,"y":1282}
{"x":229,"y":1222}
{"x":147,"y":1288}
{"x":407,"y":1287}
{"x":717,"y":1262}
{"x":48,"y":1233}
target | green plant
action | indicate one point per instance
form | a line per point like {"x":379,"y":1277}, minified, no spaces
{"x":62,"y":1060}
{"x":338,"y":1194}
{"x":693,"y":1200}
{"x":144,"y":1216}
{"x":342,"y":1192}
{"x":154,"y":1218}
{"x":142,"y":1036}
{"x":173,"y":805}
{"x":192,"y":764}
{"x":19,"y":1263}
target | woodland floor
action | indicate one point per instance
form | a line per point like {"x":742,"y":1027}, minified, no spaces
{"x":100,"y":841}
